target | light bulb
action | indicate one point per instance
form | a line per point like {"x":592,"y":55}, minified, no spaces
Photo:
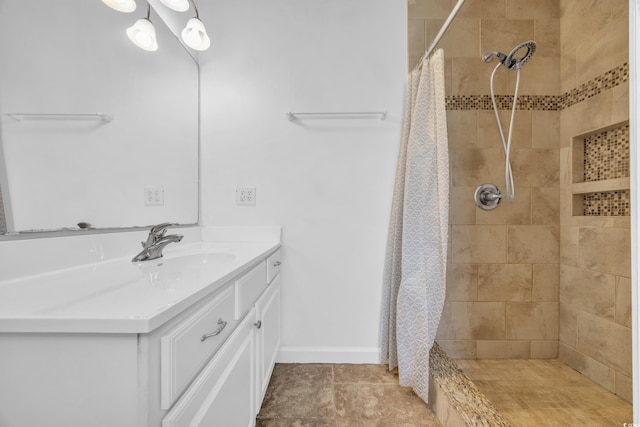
{"x":177,"y":5}
{"x":195,"y":36}
{"x":143,"y":35}
{"x":121,"y":5}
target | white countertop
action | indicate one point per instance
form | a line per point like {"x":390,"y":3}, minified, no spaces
{"x":119,"y":296}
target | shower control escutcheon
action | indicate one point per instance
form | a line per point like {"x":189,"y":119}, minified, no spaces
{"x":487,"y":197}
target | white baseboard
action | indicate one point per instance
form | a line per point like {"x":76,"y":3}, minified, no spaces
{"x":357,"y":355}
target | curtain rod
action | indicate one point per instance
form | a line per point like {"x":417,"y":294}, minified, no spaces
{"x":443,"y":30}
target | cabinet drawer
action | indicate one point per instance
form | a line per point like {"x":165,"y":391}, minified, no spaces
{"x":249,"y":287}
{"x":187,"y":347}
{"x":222,"y":395}
{"x":273,"y":265}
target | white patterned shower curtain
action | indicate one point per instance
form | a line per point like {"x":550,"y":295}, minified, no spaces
{"x":416,"y":258}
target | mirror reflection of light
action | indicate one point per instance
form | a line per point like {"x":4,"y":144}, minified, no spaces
{"x":143,"y":35}
{"x":195,"y":35}
{"x":177,"y":5}
{"x":126,"y":6}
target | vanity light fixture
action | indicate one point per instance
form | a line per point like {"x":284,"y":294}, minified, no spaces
{"x":121,"y":5}
{"x":177,"y":5}
{"x":143,"y":34}
{"x":194,"y":34}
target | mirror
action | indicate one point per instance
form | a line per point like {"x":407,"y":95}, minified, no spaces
{"x":92,"y":128}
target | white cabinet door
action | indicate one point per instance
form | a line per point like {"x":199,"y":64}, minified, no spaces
{"x":268,"y":337}
{"x":223,"y":395}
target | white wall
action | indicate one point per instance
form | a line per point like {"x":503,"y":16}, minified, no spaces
{"x":328,"y":183}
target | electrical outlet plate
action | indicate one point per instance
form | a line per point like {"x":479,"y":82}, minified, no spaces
{"x":153,"y":196}
{"x":246,"y":196}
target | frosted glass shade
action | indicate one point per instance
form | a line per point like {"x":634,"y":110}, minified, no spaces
{"x":121,"y":5}
{"x":143,"y":35}
{"x":177,"y":5}
{"x":195,"y":36}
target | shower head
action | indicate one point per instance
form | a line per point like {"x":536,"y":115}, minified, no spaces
{"x":510,"y":60}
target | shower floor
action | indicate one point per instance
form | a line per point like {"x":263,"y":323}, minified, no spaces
{"x":545,"y":392}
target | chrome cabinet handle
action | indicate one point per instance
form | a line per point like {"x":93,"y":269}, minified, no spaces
{"x":221,"y":326}
{"x":258,"y":324}
{"x":277,"y":264}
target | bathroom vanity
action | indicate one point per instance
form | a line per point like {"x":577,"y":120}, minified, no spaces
{"x":189,"y":339}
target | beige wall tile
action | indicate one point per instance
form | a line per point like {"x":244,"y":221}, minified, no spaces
{"x":461,"y":39}
{"x":545,"y":129}
{"x":579,"y":18}
{"x":504,"y":34}
{"x":544,"y":349}
{"x":478,"y":244}
{"x":547,"y":36}
{"x":569,"y":245}
{"x":470,"y":76}
{"x":412,"y":62}
{"x":462,"y":129}
{"x":592,"y":113}
{"x":623,"y":301}
{"x":533,"y":244}
{"x":526,"y":9}
{"x":459,"y":349}
{"x":478,"y":320}
{"x":532,"y":320}
{"x":588,"y":291}
{"x":482,"y":8}
{"x":504,"y":282}
{"x":568,"y":333}
{"x":568,"y":75}
{"x":504,"y":350}
{"x":624,"y":387}
{"x":516,"y":213}
{"x":591,"y":368}
{"x":621,"y":102}
{"x":546,"y":282}
{"x":489,"y":133}
{"x":416,"y":37}
{"x":473,"y":166}
{"x":616,"y":259}
{"x":531,"y":84}
{"x":545,"y":206}
{"x":605,"y":341}
{"x":462,"y":209}
{"x":462,"y":282}
{"x":428,"y":9}
{"x":606,"y":48}
{"x":536,"y":167}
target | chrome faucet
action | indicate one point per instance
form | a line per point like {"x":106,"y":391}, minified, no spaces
{"x":156,"y":241}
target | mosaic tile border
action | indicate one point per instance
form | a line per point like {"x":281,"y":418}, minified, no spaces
{"x":606,"y":81}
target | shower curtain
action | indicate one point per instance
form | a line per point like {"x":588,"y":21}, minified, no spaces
{"x":416,"y":257}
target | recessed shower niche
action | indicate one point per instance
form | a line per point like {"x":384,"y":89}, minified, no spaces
{"x":600,"y":172}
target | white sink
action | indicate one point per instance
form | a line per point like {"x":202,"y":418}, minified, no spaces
{"x":117,"y":295}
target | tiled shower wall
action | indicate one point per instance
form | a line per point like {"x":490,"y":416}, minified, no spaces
{"x":503,"y":276}
{"x":536,"y":278}
{"x":595,"y":284}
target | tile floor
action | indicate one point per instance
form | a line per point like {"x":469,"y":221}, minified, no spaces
{"x":323,"y":395}
{"x":545,"y":393}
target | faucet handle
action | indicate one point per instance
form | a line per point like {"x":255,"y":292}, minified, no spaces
{"x":160,"y":229}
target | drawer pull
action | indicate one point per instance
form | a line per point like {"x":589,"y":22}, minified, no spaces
{"x":221,"y":326}
{"x":277,"y":264}
{"x":258,"y":324}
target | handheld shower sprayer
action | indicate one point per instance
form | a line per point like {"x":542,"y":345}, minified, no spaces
{"x":488,"y":196}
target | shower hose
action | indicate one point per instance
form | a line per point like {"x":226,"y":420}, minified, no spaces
{"x":506,"y":143}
